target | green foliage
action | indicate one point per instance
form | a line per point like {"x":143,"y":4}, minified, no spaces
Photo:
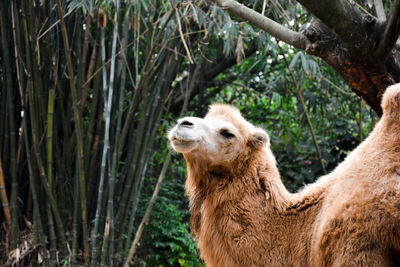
{"x":167,"y":240}
{"x":169,"y":233}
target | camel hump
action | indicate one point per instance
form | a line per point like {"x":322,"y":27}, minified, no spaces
{"x":391,"y":100}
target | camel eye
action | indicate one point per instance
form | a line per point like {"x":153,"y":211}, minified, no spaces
{"x":226,"y":134}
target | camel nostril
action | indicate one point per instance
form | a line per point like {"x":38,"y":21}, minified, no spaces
{"x":186,"y":123}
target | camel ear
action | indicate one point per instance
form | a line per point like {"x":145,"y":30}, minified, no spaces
{"x":258,"y":139}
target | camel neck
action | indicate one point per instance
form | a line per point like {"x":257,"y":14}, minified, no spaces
{"x":230,"y":217}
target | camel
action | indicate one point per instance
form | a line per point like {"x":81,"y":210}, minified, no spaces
{"x":242,"y":214}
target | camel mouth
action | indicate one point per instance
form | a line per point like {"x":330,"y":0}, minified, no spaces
{"x":182,"y":137}
{"x":176,"y":140}
{"x":182,"y":145}
{"x":182,"y":141}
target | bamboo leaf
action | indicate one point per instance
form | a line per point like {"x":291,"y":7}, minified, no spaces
{"x":294,"y":60}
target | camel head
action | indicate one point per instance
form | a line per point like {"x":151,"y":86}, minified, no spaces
{"x":219,"y":138}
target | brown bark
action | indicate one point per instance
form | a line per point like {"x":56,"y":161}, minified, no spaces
{"x":358,"y":62}
{"x":367,"y":83}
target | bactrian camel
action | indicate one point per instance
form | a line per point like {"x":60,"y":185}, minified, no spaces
{"x":242,"y":215}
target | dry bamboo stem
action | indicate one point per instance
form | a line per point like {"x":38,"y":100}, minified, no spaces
{"x":6,"y":207}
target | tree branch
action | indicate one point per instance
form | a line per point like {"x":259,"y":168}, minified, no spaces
{"x":380,"y":12}
{"x":391,"y":32}
{"x":210,"y":71}
{"x":293,"y":38}
{"x":215,"y":68}
{"x":339,"y":15}
{"x":397,"y":44}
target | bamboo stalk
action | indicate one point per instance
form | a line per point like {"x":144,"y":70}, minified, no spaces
{"x":91,"y":140}
{"x":4,"y":202}
{"x":104,"y":154}
{"x":85,"y":86}
{"x":49,"y":146}
{"x":78,"y":51}
{"x":78,"y":128}
{"x":95,"y":148}
{"x":16,"y":54}
{"x":111,"y":184}
{"x":40,"y":104}
{"x":115,"y":159}
{"x":134,"y":206}
{"x":62,"y":170}
{"x":85,"y":48}
{"x":37,"y":223}
{"x":43,"y":178}
{"x":75,"y":219}
{"x":12,"y":134}
{"x":3,"y":120}
{"x":15,"y":31}
{"x":52,"y":237}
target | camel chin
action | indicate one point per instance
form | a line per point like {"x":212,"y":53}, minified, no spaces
{"x":184,"y":146}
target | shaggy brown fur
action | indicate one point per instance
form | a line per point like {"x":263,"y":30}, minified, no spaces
{"x":242,"y":214}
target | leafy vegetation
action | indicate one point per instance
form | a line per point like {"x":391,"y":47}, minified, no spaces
{"x":167,"y":240}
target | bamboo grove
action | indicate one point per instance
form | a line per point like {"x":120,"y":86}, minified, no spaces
{"x":84,"y":86}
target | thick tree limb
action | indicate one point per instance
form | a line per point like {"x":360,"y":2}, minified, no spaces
{"x":293,"y":38}
{"x":211,"y":70}
{"x":391,"y":32}
{"x":215,"y":68}
{"x":397,"y":45}
{"x":339,"y":15}
{"x":380,"y":12}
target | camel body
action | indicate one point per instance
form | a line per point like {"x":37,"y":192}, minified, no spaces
{"x":242,"y":215}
